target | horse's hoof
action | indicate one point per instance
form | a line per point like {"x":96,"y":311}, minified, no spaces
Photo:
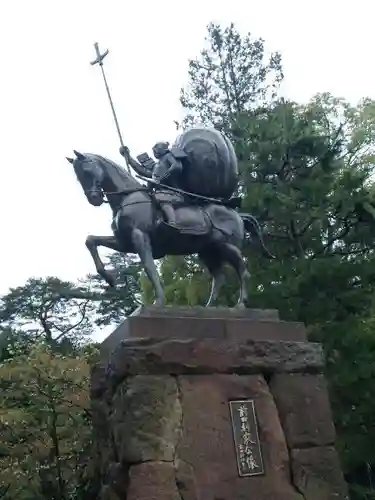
{"x":159,"y":303}
{"x":109,"y":278}
{"x":240,"y":305}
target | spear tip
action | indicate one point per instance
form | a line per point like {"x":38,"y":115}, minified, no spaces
{"x":99,"y":56}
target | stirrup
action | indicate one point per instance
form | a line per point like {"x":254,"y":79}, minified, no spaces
{"x":170,"y":224}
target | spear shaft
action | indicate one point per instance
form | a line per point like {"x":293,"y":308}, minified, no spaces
{"x":99,"y":60}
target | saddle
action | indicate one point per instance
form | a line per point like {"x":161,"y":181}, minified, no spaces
{"x":164,"y":195}
{"x":190,"y":218}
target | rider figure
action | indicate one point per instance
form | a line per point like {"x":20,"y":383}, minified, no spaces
{"x":168,"y":167}
{"x":165,"y":171}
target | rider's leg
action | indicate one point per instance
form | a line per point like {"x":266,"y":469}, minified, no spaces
{"x":168,"y":213}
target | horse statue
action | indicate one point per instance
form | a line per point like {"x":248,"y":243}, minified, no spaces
{"x":205,"y":226}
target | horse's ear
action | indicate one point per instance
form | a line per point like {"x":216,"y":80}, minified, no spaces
{"x":79,"y":155}
{"x":70,"y":160}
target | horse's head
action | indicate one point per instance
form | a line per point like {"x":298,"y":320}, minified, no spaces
{"x":90,"y":175}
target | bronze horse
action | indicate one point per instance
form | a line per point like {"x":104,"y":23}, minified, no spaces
{"x":213,"y":231}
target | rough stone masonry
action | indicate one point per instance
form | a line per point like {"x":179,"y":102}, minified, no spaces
{"x":163,"y":426}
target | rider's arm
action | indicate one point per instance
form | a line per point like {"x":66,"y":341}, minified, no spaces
{"x":140,"y":169}
{"x":175,"y":165}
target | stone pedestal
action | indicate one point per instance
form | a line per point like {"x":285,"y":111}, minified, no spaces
{"x":162,"y":418}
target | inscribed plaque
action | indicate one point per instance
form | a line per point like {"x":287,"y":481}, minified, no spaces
{"x":246,"y":438}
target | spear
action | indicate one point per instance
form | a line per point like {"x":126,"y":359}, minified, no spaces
{"x":99,"y":60}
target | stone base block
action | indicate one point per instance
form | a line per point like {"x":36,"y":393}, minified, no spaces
{"x":317,"y":474}
{"x":153,"y":481}
{"x":201,"y":322}
{"x":163,"y":422}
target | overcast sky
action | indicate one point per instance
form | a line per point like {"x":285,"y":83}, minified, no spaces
{"x":52,"y":100}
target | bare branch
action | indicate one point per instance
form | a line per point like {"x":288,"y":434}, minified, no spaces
{"x":323,"y":251}
{"x":83,"y":310}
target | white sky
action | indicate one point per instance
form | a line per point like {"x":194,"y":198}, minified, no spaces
{"x":52,"y":100}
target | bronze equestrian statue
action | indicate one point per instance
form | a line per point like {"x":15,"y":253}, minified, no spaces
{"x":185,"y":207}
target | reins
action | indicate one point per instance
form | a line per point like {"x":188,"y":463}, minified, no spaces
{"x":123,"y":192}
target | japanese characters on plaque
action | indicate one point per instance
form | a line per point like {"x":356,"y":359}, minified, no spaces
{"x":246,"y":438}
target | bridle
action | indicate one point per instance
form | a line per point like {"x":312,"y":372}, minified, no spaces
{"x":124,"y":192}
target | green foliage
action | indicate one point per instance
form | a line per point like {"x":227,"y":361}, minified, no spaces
{"x":44,"y":402}
{"x":14,"y":343}
{"x":44,"y":391}
{"x":187,"y":283}
{"x":230,"y":76}
{"x":64,"y":312}
{"x":112,"y":305}
{"x":298,"y":182}
{"x":47,"y":308}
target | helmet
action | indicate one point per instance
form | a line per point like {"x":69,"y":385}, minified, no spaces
{"x":160,"y":149}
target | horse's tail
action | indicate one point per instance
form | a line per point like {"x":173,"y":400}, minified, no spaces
{"x":252,"y":226}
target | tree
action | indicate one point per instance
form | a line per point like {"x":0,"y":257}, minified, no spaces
{"x":112,"y":305}
{"x":351,"y":370}
{"x":44,"y":401}
{"x":48,"y":308}
{"x":187,"y":283}
{"x":14,"y":342}
{"x":306,"y":173}
{"x":44,"y":361}
{"x":44,"y":391}
{"x":300,"y":181}
{"x":230,"y":76}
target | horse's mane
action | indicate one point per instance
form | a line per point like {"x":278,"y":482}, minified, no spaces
{"x":114,"y":168}
{"x":120,"y":170}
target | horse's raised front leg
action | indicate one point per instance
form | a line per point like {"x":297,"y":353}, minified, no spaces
{"x":142,"y":246}
{"x":92,"y":243}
